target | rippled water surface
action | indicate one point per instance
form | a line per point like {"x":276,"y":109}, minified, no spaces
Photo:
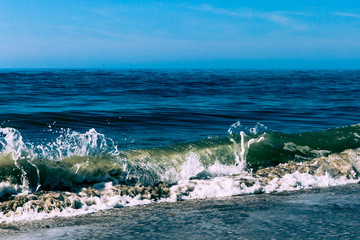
{"x":146,"y":108}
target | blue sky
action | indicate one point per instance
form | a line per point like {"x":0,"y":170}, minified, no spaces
{"x":180,"y":34}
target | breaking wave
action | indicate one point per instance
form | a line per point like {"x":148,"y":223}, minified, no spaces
{"x":85,"y":172}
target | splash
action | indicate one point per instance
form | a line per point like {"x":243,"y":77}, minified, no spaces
{"x":12,"y":144}
{"x":241,"y":149}
{"x":72,"y":143}
{"x":70,"y":159}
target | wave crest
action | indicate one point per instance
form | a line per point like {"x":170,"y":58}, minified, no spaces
{"x":75,"y":160}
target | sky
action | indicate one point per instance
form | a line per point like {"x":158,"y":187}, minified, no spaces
{"x":180,"y":34}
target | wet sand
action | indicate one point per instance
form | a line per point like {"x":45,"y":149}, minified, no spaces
{"x":331,"y":213}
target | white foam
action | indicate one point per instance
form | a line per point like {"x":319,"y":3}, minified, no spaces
{"x":107,"y":200}
{"x":224,"y":186}
{"x":214,"y":188}
{"x":224,"y":170}
{"x":191,"y":167}
{"x":229,"y":186}
{"x":297,"y":180}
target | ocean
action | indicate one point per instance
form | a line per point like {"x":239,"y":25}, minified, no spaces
{"x":79,"y":141}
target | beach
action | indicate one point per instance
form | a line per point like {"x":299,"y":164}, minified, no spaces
{"x":317,"y":213}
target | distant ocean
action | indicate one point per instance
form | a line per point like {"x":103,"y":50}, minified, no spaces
{"x":78,"y":141}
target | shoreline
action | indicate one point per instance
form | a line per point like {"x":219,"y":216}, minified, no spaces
{"x":330,"y":212}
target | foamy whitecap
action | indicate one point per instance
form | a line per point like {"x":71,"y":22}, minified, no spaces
{"x":97,"y":176}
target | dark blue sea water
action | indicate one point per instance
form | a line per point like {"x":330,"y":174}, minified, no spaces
{"x":147,"y":108}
